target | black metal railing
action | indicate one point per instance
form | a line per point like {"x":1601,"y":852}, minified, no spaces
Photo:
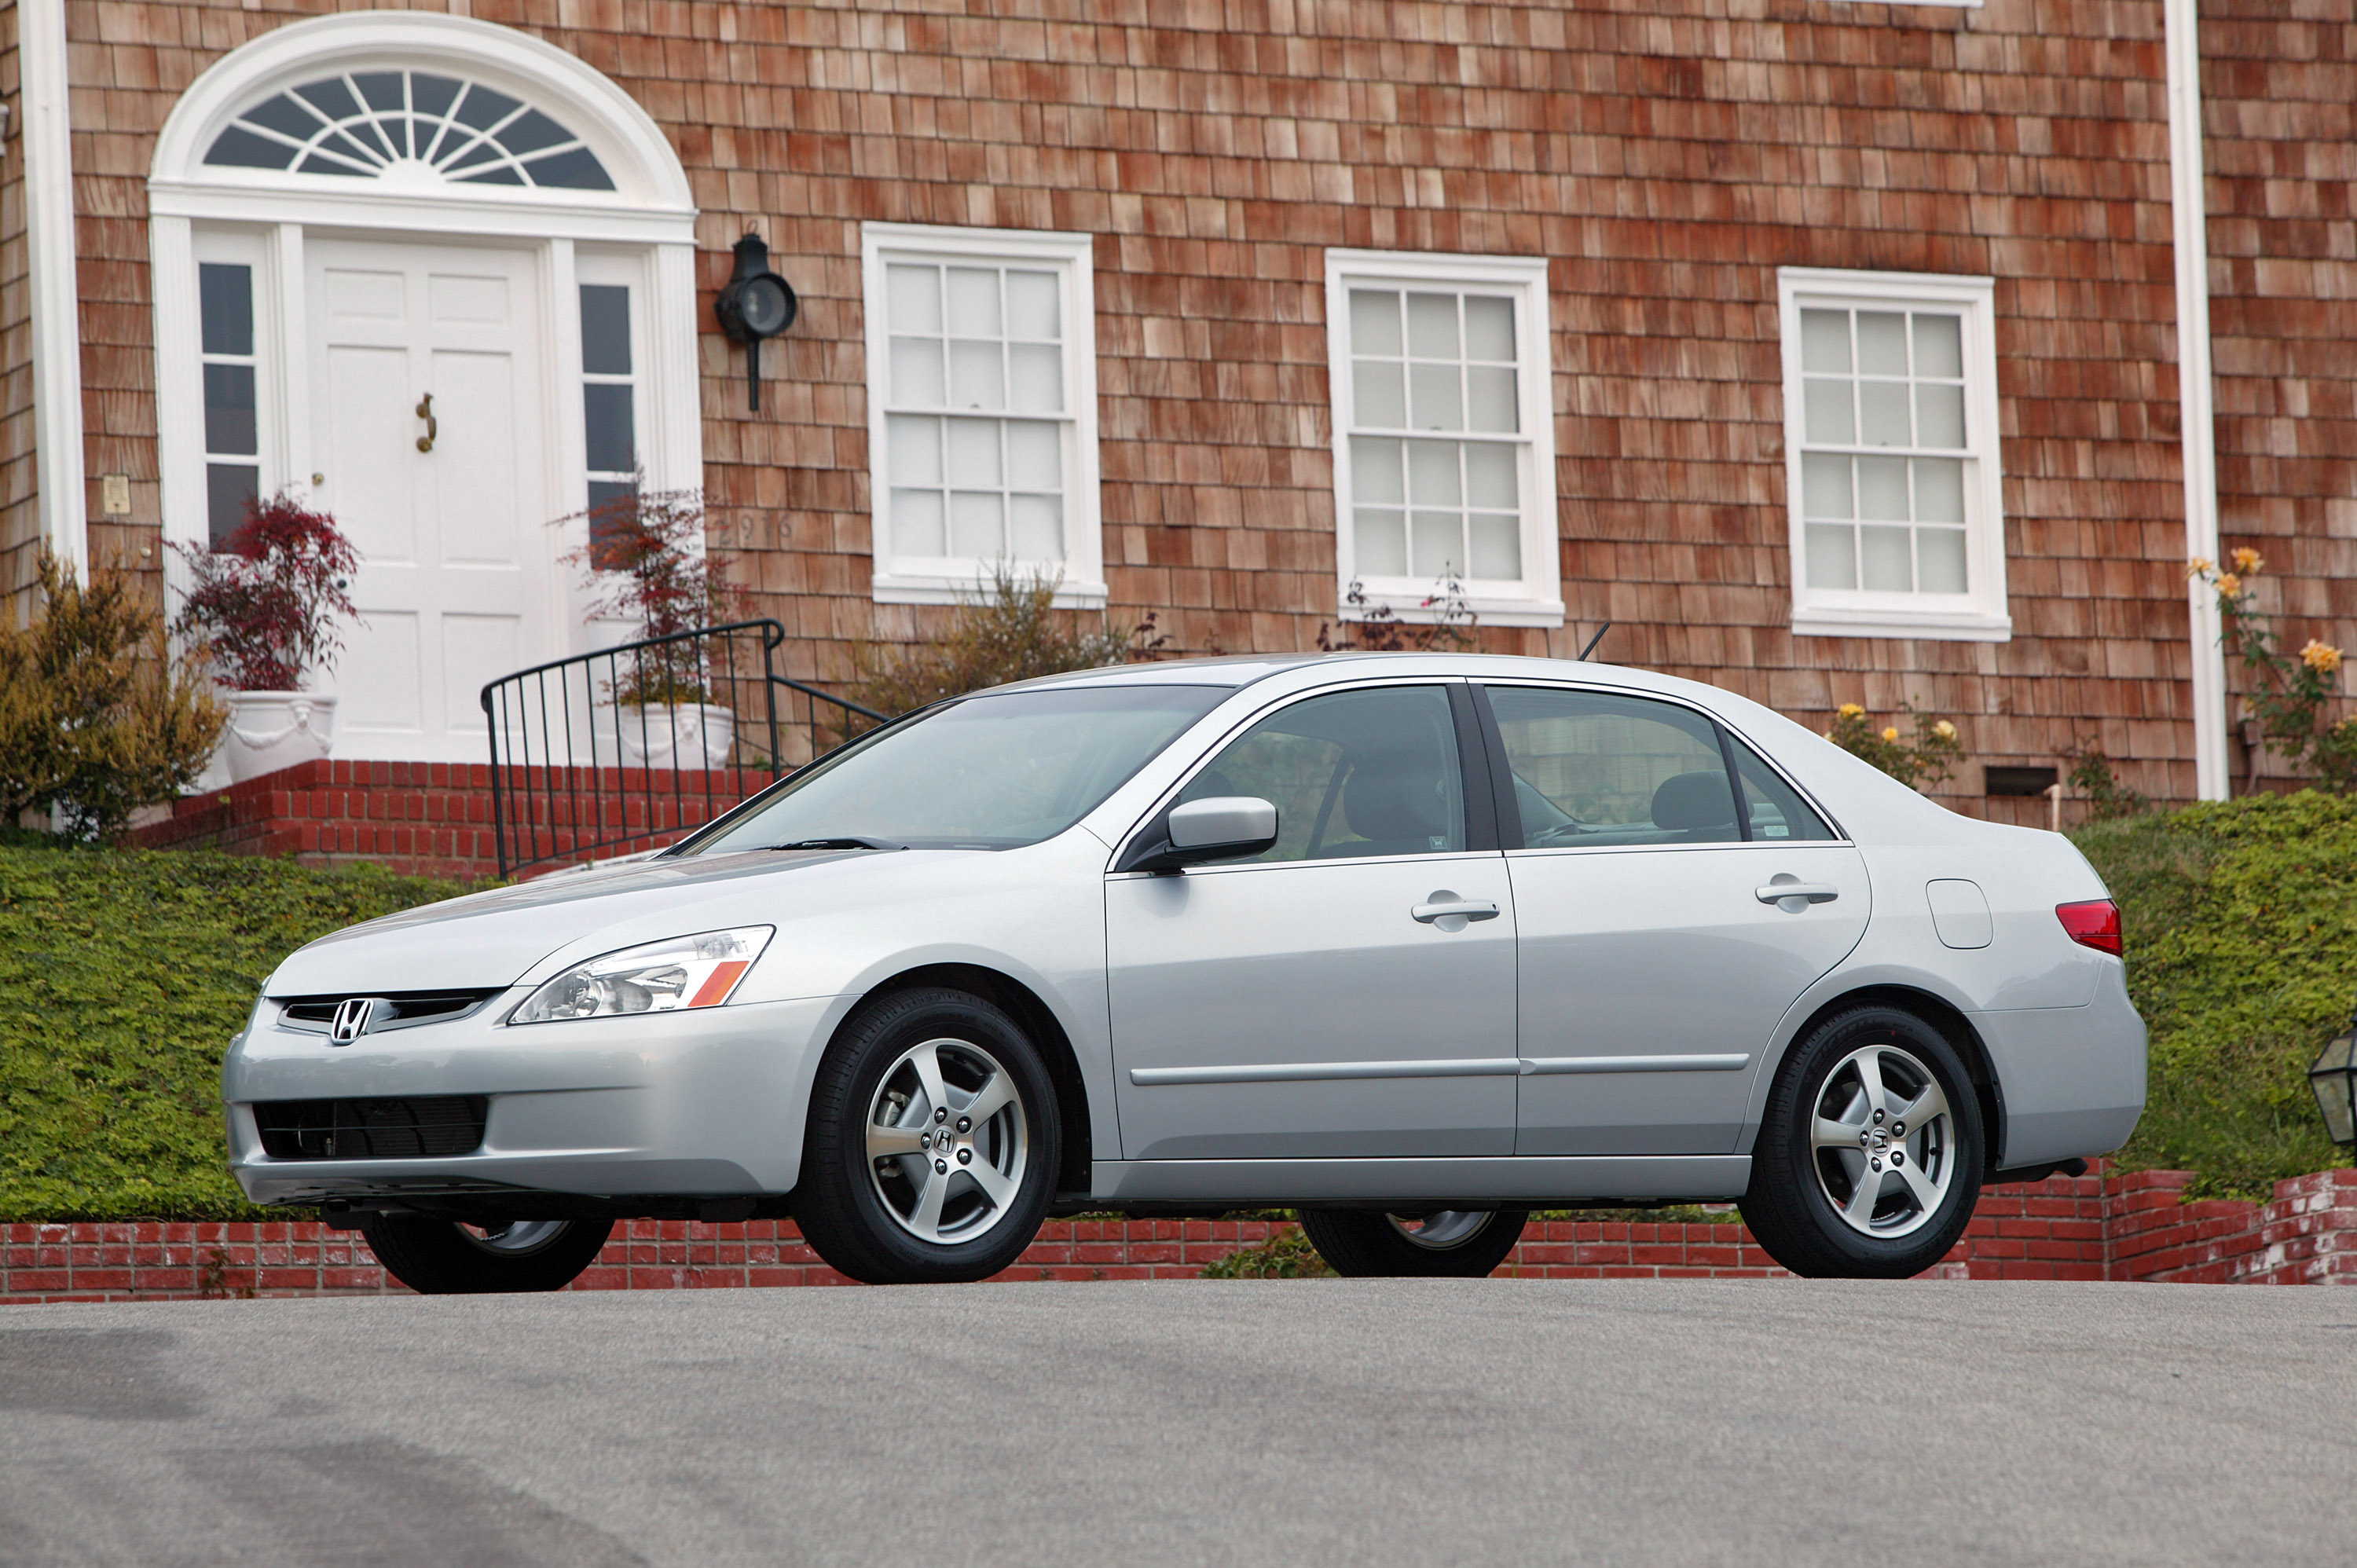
{"x":631,"y":748}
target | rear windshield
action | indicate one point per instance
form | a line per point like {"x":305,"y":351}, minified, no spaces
{"x":987,"y":772}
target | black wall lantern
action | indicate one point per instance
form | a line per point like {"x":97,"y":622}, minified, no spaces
{"x":2334,"y":1079}
{"x":756,"y":305}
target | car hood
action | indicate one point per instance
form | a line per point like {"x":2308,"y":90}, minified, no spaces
{"x":487,"y":940}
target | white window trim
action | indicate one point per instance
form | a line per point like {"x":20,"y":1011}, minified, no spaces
{"x":1980,"y":616}
{"x":1073,"y":255}
{"x":1542,"y":604}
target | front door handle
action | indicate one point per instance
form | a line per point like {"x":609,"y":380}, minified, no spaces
{"x":1792,"y":896}
{"x":433,"y":425}
{"x":1450,"y":913}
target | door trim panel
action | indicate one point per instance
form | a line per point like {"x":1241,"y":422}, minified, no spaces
{"x":1304,"y":1072}
{"x":1515,"y":1178}
{"x":1547,"y":1067}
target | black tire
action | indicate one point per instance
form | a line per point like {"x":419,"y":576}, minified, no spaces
{"x":440,"y":1257}
{"x":1359,"y":1245}
{"x":1795,"y":1205}
{"x":857,"y":1210}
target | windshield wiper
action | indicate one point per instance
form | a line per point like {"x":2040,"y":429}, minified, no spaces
{"x":846,"y":842}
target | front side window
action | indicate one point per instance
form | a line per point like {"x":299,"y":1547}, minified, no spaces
{"x":1891,"y":454}
{"x":1351,"y":774}
{"x":1444,"y":456}
{"x":983,"y":428}
{"x":1595,"y":770}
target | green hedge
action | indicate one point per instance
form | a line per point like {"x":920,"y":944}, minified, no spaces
{"x":122,"y":975}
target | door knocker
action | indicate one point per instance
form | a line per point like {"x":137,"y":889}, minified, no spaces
{"x":425,"y":412}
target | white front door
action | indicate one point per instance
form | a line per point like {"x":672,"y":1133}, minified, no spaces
{"x":449,"y":509}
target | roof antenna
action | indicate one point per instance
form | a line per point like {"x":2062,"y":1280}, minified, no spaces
{"x":1594,"y":640}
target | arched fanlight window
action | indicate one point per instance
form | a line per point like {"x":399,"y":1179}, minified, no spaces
{"x":361,"y":123}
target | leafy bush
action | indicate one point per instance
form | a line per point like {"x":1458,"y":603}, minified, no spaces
{"x":1010,"y":631}
{"x":2098,"y":784}
{"x":2242,"y":948}
{"x":1928,"y":757}
{"x":1285,"y":1255}
{"x":97,"y":718}
{"x":265,"y":606}
{"x":122,"y":975}
{"x":2287,"y":694}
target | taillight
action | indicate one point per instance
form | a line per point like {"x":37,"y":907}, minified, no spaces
{"x":2094,"y":924}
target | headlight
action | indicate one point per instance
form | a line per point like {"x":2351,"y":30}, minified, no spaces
{"x":661,"y":977}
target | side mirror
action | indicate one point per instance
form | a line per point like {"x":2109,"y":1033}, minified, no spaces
{"x":1220,"y":828}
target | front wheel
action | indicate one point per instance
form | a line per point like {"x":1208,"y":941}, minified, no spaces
{"x":1868,"y":1161}
{"x":1450,"y":1244}
{"x":442,"y":1257}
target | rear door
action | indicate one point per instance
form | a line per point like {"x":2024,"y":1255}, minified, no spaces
{"x":1650,"y":970}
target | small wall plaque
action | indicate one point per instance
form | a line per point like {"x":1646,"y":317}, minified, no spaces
{"x":115,"y":494}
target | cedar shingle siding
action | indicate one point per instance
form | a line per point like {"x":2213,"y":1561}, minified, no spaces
{"x":1667,"y":156}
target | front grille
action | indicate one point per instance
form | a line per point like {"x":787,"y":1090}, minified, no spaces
{"x":371,"y":1129}
{"x":395,"y":1009}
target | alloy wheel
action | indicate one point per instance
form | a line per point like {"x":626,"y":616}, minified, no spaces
{"x":1882,"y":1140}
{"x":515,"y":1238}
{"x":1442,"y":1228}
{"x":946,"y":1141}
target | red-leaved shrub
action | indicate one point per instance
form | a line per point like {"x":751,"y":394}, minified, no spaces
{"x":266,"y":606}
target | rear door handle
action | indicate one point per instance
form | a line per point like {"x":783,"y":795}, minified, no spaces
{"x":1792,"y":896}
{"x":1460,"y":908}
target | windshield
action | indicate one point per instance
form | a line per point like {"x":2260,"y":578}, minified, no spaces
{"x":988,"y":772}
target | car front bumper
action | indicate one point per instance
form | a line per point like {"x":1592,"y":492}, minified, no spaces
{"x":707,"y":1103}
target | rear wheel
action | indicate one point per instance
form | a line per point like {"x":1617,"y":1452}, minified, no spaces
{"x":1868,"y":1161}
{"x":442,"y":1257}
{"x":934,"y":1142}
{"x":1447,"y":1244}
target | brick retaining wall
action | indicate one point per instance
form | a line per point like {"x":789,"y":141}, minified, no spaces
{"x":2134,"y":1227}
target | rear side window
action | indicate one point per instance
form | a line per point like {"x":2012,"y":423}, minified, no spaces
{"x":1595,"y":770}
{"x":1778,"y":813}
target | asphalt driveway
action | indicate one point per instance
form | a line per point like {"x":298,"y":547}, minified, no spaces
{"x":1279,"y":1422}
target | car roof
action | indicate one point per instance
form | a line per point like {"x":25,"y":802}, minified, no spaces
{"x":1244,"y":669}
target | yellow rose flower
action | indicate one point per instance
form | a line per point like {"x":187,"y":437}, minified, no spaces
{"x":1852,"y":711}
{"x":1944,"y":730}
{"x":2247,"y":561}
{"x":1891,"y":734}
{"x":2229,"y":584}
{"x":2198,"y":567}
{"x":2320,"y":657}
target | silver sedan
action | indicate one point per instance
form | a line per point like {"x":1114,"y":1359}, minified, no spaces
{"x":1410,"y":943}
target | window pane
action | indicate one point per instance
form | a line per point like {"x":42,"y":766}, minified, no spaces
{"x":1432,"y":473}
{"x":1882,"y":489}
{"x":1035,"y":456}
{"x":1377,"y":399}
{"x":1833,"y":556}
{"x":912,"y":297}
{"x":1591,"y":769}
{"x":1777,"y":810}
{"x":974,"y":302}
{"x":1497,"y":546}
{"x":1824,"y":342}
{"x":1882,"y":414}
{"x":973,"y":452}
{"x":1939,"y":489}
{"x":1434,"y":398}
{"x":1375,"y":471}
{"x":1940,"y":551}
{"x":1353,"y":774}
{"x":1489,"y":328}
{"x":225,"y":305}
{"x":1035,"y":526}
{"x":606,"y":420}
{"x":1381,"y":541}
{"x":1940,"y":415}
{"x":1374,"y":321}
{"x":978,"y":375}
{"x":1824,"y":485}
{"x":1034,"y":308}
{"x":917,"y":380}
{"x":976,"y":529}
{"x":228,"y":409}
{"x":917,"y":523}
{"x":913,"y":449}
{"x":1490,"y":398}
{"x":604,"y":329}
{"x":1432,"y":325}
{"x":1828,"y":410}
{"x":1036,"y":375}
{"x":612,"y":509}
{"x":228,"y":488}
{"x":1939,"y":346}
{"x":1885,"y":561}
{"x":1437,"y":544}
{"x":1881,"y":343}
{"x":1490,"y":479}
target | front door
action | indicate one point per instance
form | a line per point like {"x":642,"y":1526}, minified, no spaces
{"x":1351,"y":993}
{"x":1652,"y":973}
{"x":446,"y":500}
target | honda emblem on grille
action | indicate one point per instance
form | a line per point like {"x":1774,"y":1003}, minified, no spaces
{"x":352,"y":1015}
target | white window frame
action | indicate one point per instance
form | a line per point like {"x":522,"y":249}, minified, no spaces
{"x":1979,"y":615}
{"x":1540,"y":601}
{"x":257,"y":250}
{"x":935,"y":580}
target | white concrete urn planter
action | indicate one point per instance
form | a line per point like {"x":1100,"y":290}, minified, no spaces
{"x":270,"y":730}
{"x":682,"y":738}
